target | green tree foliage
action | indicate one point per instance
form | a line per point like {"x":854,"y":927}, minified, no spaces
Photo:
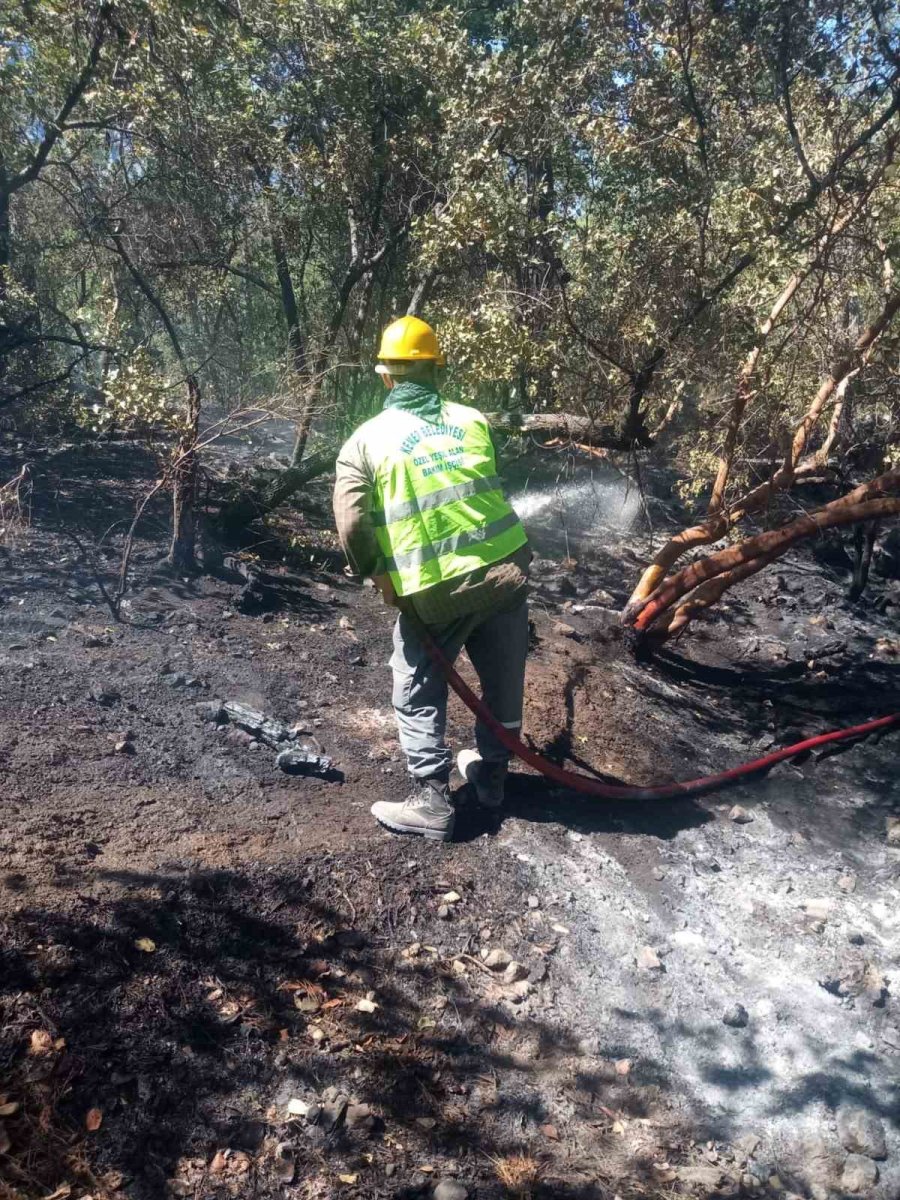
{"x":597,"y":203}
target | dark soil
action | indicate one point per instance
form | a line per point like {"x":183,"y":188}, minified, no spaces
{"x":186,"y":933}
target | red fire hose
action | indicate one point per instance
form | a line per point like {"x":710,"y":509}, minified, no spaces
{"x":666,"y":791}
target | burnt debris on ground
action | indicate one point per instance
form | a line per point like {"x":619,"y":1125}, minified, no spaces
{"x":220,"y":979}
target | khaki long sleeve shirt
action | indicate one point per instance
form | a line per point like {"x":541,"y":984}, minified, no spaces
{"x":496,"y":587}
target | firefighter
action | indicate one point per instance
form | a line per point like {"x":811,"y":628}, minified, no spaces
{"x":421,"y":511}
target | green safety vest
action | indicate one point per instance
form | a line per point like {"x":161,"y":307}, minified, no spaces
{"x":438,"y":506}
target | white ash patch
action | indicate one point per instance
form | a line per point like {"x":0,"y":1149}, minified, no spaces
{"x":745,"y":917}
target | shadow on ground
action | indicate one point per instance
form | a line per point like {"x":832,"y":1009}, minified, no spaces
{"x":190,"y":1008}
{"x":533,"y":799}
{"x":184,"y":1012}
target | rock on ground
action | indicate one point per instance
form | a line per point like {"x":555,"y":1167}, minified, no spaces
{"x":514,"y":972}
{"x":860,"y":1132}
{"x":449,"y":1189}
{"x":818,"y":1165}
{"x":860,"y":1173}
{"x":498,"y":960}
{"x":648,"y":959}
{"x":736,"y":1017}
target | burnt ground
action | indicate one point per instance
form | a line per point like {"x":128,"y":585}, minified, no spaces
{"x":190,"y":939}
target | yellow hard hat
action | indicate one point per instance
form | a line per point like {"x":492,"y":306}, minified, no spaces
{"x":410,"y":340}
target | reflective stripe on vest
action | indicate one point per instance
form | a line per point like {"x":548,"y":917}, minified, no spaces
{"x":439,"y":509}
{"x":457,"y":491}
{"x":458,"y":541}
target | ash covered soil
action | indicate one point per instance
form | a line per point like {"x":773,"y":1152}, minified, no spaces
{"x":220,"y":980}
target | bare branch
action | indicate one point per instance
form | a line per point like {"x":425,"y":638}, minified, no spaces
{"x":644,"y":375}
{"x":226,"y":268}
{"x":54,"y":131}
{"x":32,"y":339}
{"x":785,"y":86}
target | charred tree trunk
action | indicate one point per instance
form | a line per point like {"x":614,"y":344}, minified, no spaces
{"x":314,"y":386}
{"x":250,"y":506}
{"x":5,"y":252}
{"x":864,"y":545}
{"x":355,"y":336}
{"x":5,"y":235}
{"x":583,"y":431}
{"x":357,"y":329}
{"x":182,"y":555}
{"x":254,"y":505}
{"x":540,"y":264}
{"x":743,"y":393}
{"x":289,"y":306}
{"x":422,"y":294}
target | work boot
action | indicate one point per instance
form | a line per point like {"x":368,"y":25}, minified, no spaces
{"x":426,"y":811}
{"x":487,"y":780}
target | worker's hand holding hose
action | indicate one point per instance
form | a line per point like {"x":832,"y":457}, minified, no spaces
{"x":382,"y":583}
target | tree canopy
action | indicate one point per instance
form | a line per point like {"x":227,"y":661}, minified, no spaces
{"x":598,"y":205}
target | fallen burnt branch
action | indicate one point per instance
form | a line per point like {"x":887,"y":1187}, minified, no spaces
{"x":262,"y":591}
{"x":294,"y":758}
{"x":263,"y":728}
{"x":582,"y":430}
{"x":661,"y":615}
{"x":255,"y":503}
{"x":707,"y":594}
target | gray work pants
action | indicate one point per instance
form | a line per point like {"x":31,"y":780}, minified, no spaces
{"x":496,"y":644}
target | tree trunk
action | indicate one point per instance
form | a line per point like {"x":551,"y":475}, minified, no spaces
{"x":289,"y":307}
{"x":252,"y":506}
{"x":705,"y":596}
{"x":182,"y":555}
{"x":864,"y":544}
{"x":314,"y":386}
{"x":355,"y":334}
{"x":422,"y":294}
{"x":820,"y":458}
{"x":291,"y":480}
{"x":5,"y":237}
{"x":249,"y":506}
{"x":539,"y":262}
{"x":5,"y":252}
{"x":581,"y":430}
{"x":743,"y":392}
